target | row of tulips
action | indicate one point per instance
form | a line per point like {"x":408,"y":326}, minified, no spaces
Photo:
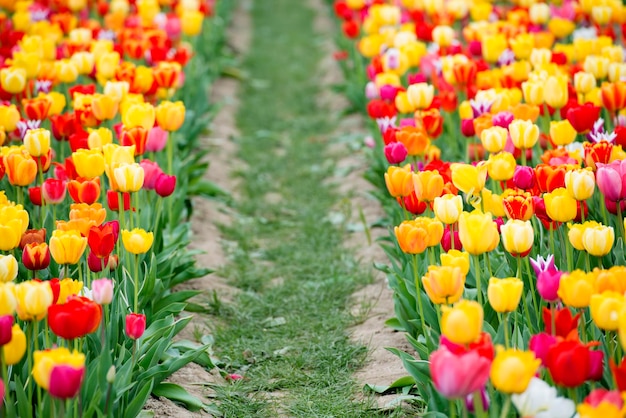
{"x":499,"y":161}
{"x":96,"y":99}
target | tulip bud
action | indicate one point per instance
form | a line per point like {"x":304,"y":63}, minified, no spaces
{"x":165,"y":185}
{"x":135,"y":325}
{"x":6,"y":326}
{"x":111,"y":375}
{"x":102,"y":291}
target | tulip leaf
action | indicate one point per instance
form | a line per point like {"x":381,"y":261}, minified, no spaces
{"x":394,"y":324}
{"x":139,"y":400}
{"x":177,"y":393}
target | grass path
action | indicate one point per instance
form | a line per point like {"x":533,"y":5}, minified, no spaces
{"x":286,"y":331}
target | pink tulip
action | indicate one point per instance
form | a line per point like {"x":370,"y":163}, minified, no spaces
{"x":165,"y":185}
{"x":65,"y":381}
{"x":53,"y":191}
{"x":388,"y":92}
{"x":1,"y":392}
{"x":540,"y":345}
{"x":151,"y":172}
{"x":102,"y":291}
{"x":6,"y":325}
{"x":135,"y":325}
{"x":597,"y":396}
{"x":611,"y":206}
{"x":395,"y":152}
{"x":548,"y":285}
{"x":157,"y":138}
{"x":611,"y":180}
{"x":456,"y":376}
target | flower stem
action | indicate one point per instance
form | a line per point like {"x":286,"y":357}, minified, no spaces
{"x":136,"y":278}
{"x":505,"y":324}
{"x":418,"y":293}
{"x":479,"y":290}
{"x":506,"y":407}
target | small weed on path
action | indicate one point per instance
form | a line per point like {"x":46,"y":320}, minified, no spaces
{"x":286,"y":331}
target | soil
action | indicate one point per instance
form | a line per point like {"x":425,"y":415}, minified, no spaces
{"x":372,"y":305}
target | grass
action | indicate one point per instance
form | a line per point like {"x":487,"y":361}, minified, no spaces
{"x":286,"y":331}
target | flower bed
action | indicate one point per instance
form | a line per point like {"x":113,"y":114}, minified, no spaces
{"x":102,"y":105}
{"x":500,"y":164}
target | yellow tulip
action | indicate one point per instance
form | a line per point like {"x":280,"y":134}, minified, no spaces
{"x":580,"y":183}
{"x":478,"y":232}
{"x":501,"y":166}
{"x":170,"y":116}
{"x":512,"y":370}
{"x":456,"y":258}
{"x":576,"y":288}
{"x":562,"y":132}
{"x":66,"y":247}
{"x":129,"y":177}
{"x":560,"y":205}
{"x":517,"y":237}
{"x":67,"y":288}
{"x":504,"y":294}
{"x":463,"y":323}
{"x":448,"y":208}
{"x":494,"y":138}
{"x":493,"y":45}
{"x":575,"y":233}
{"x":66,"y":71}
{"x":533,"y":92}
{"x":8,"y":268}
{"x":444,"y":284}
{"x":490,"y":202}
{"x":468,"y":178}
{"x":605,"y":309}
{"x":8,"y":302}
{"x":44,"y":362}
{"x":116,"y":90}
{"x":420,"y":95}
{"x":88,"y":163}
{"x":106,"y":64}
{"x":37,"y":142}
{"x":192,"y":22}
{"x":139,"y":114}
{"x":97,"y":139}
{"x":555,"y":91}
{"x":104,"y":107}
{"x":597,"y":65}
{"x":598,"y":240}
{"x":15,"y":349}
{"x":524,"y":133}
{"x":13,"y":79}
{"x":33,"y":299}
{"x":584,"y":82}
{"x":137,"y":241}
{"x":604,"y":409}
{"x":83,"y":61}
{"x":9,"y":117}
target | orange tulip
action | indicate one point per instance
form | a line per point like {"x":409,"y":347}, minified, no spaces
{"x":104,"y":107}
{"x":170,"y":116}
{"x":412,"y":237}
{"x":428,"y":185}
{"x":613,"y":96}
{"x":94,"y":212}
{"x":414,"y":139}
{"x":21,"y":168}
{"x":399,"y":181}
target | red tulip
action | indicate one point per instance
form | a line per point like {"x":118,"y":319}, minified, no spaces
{"x":568,"y":363}
{"x":102,"y":239}
{"x":79,"y":140}
{"x":619,"y":374}
{"x":34,"y":194}
{"x":36,"y":256}
{"x":6,"y":326}
{"x":96,"y":264}
{"x":596,"y":365}
{"x":457,"y":375}
{"x":135,"y":325}
{"x":63,"y":126}
{"x":136,"y":136}
{"x":564,"y":322}
{"x":37,"y":108}
{"x":84,"y":190}
{"x":65,"y":381}
{"x":582,"y":117}
{"x":76,"y":318}
{"x":113,"y":200}
{"x":165,"y":185}
{"x":53,"y":191}
{"x":540,"y":344}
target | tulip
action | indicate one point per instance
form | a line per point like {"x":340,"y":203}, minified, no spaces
{"x":605,"y":309}
{"x":137,"y":136}
{"x":456,"y":258}
{"x":46,"y":361}
{"x":494,"y":138}
{"x":157,"y":139}
{"x":576,"y":288}
{"x":501,"y":166}
{"x":113,"y":200}
{"x":65,"y":381}
{"x":67,"y":247}
{"x":98,"y":138}
{"x":598,"y":153}
{"x":170,"y":116}
{"x":611,"y":279}
{"x":13,"y":80}
{"x":560,"y":205}
{"x":94,"y":213}
{"x":610,"y":180}
{"x":102,"y":291}
{"x":37,"y":142}
{"x":504,"y":294}
{"x":15,"y":349}
{"x":462,"y":324}
{"x":97,"y":265}
{"x":8,"y":268}
{"x":598,"y":240}
{"x":580,"y":183}
{"x":420,"y":95}
{"x":53,"y":191}
{"x":104,"y":107}
{"x":448,"y":208}
{"x":518,"y":205}
{"x":75,"y":318}
{"x":8,"y":302}
{"x":568,"y":363}
{"x":102,"y":239}
{"x":564,"y":322}
{"x":524,"y":134}
{"x":428,"y":184}
{"x":399,"y":181}
{"x":517,"y":237}
{"x":444,"y":284}
{"x":9,"y":117}
{"x":135,"y":325}
{"x":33,"y":300}
{"x":524,"y":177}
{"x":533,"y":92}
{"x":562,"y":132}
{"x":84,"y":190}
{"x":512,"y":370}
{"x":540,"y":400}
{"x":34,"y":195}
{"x":167,"y":74}
{"x":602,"y":408}
{"x":415,"y":140}
{"x":478,"y":232}
{"x":36,"y":256}
{"x":555,"y":91}
{"x":137,"y":241}
{"x":6,"y":325}
{"x":458,"y":375}
{"x":540,"y":345}
{"x":584,"y":82}
{"x":468,"y":178}
{"x":165,"y":185}
{"x":129,"y":177}
{"x":548,"y":284}
{"x":89,"y":163}
{"x":20,"y":167}
{"x":191,"y":22}
{"x":139,"y":114}
{"x":395,"y":152}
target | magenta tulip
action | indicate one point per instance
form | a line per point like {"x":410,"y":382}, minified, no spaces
{"x":611,"y":180}
{"x":456,"y":376}
{"x":596,"y":365}
{"x":540,"y":345}
{"x":6,"y":326}
{"x":395,"y":152}
{"x":524,"y":177}
{"x":548,"y":285}
{"x":135,"y":325}
{"x":65,"y":381}
{"x":165,"y":185}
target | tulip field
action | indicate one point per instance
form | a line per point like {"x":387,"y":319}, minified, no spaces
{"x":499,"y":160}
{"x":100,"y":113}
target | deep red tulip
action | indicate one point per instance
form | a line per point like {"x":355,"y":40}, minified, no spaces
{"x":102,"y":239}
{"x":412,"y":204}
{"x":596,"y":365}
{"x":34,"y":194}
{"x":165,"y":185}
{"x":113,"y":200}
{"x":65,"y":381}
{"x":446,"y":240}
{"x":84,"y":190}
{"x":569,"y":363}
{"x":6,"y":325}
{"x":79,"y":140}
{"x":76,"y":318}
{"x":564,"y":322}
{"x":63,"y":126}
{"x":36,"y":256}
{"x":96,"y":264}
{"x":619,"y":374}
{"x":53,"y":191}
{"x":582,"y":117}
{"x":135,"y":325}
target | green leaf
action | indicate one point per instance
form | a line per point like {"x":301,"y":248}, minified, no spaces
{"x":139,"y":400}
{"x":177,"y":393}
{"x":394,"y":323}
